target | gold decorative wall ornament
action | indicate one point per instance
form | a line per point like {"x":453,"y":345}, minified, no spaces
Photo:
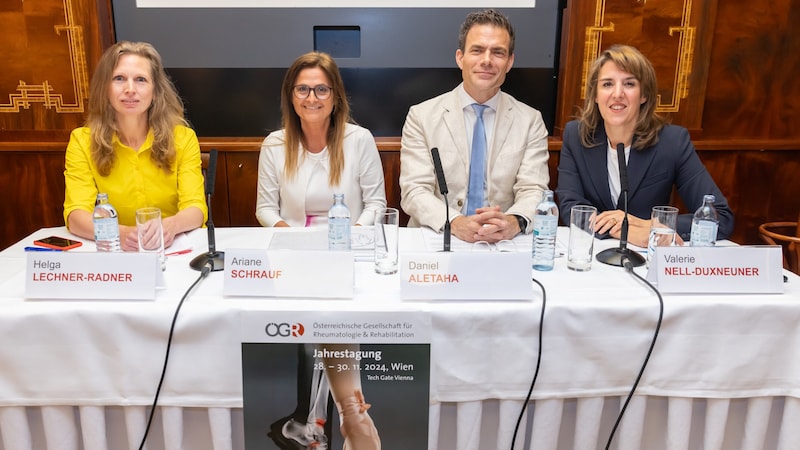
{"x":594,"y":35}
{"x":28,"y":94}
{"x":683,"y":66}
{"x":683,"y":61}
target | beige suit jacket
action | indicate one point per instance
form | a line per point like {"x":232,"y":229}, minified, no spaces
{"x":517,"y":171}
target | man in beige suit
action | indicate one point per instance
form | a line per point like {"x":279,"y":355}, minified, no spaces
{"x":515,"y":170}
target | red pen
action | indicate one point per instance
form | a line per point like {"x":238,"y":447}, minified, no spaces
{"x":180,"y":252}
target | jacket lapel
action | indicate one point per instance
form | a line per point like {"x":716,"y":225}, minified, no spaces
{"x":638,"y":163}
{"x":502,"y":129}
{"x":453,"y":118}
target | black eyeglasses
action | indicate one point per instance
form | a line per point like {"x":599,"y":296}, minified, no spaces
{"x":321,"y":91}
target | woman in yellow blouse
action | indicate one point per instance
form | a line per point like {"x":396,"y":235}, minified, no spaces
{"x":136,"y":146}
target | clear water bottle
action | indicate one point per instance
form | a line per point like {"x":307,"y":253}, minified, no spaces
{"x":705,"y":224}
{"x":339,"y":224}
{"x":106,"y":225}
{"x":545,"y":225}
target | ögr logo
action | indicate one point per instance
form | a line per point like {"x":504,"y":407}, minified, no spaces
{"x":284,"y":329}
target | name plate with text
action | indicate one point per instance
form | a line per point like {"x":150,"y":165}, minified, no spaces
{"x":465,"y":276}
{"x":288,"y":273}
{"x":92,"y":276}
{"x":740,"y":269}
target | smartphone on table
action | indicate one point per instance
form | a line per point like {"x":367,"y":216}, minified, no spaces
{"x":57,"y":243}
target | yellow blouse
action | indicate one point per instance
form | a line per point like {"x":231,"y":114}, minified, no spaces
{"x":135,"y":181}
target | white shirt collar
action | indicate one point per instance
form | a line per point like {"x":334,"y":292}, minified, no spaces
{"x":467,"y":101}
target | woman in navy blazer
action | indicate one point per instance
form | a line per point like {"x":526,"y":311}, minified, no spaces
{"x":620,"y":108}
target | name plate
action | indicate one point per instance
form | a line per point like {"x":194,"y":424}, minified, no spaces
{"x":742,"y":269}
{"x":92,"y":276}
{"x":288,"y":273}
{"x":465,"y":276}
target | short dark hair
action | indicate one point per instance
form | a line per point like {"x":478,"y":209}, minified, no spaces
{"x":486,"y":17}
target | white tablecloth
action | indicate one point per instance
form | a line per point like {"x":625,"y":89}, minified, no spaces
{"x":95,"y":359}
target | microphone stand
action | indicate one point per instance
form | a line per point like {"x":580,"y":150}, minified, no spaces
{"x":618,"y":256}
{"x":212,"y":259}
{"x":446,"y":237}
{"x":437,"y":167}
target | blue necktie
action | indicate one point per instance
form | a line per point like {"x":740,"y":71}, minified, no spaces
{"x":477,"y":162}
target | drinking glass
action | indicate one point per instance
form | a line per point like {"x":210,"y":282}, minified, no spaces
{"x":387,"y":228}
{"x":663,"y":222}
{"x":151,"y":233}
{"x":581,"y":238}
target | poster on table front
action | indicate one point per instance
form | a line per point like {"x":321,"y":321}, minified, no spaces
{"x":355,"y":380}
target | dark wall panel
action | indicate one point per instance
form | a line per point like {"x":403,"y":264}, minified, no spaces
{"x":246,"y":102}
{"x":228,"y":63}
{"x":274,"y":37}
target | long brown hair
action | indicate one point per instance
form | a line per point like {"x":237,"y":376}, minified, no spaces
{"x":340,"y":115}
{"x":165,"y":112}
{"x":649,"y":123}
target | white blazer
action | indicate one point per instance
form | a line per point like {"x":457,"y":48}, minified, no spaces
{"x":279,"y":199}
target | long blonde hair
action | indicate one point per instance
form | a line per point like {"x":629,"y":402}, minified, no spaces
{"x":649,"y":123}
{"x":165,"y":112}
{"x":340,"y":115}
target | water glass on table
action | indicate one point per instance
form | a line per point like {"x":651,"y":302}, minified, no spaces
{"x":150,"y":233}
{"x":581,"y":238}
{"x":387,"y":228}
{"x":663,"y":222}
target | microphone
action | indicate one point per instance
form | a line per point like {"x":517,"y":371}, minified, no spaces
{"x":212,"y":260}
{"x":622,"y":256}
{"x":437,"y":167}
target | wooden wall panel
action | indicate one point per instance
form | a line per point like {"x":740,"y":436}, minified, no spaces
{"x":767,"y":188}
{"x":761,"y":186}
{"x":48,"y":49}
{"x":32,"y":184}
{"x":753,"y":92}
{"x":242,"y":173}
{"x":667,"y":32}
{"x":390,"y":158}
{"x":391,"y":179}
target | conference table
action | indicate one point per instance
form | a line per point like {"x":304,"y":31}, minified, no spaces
{"x":724,"y":373}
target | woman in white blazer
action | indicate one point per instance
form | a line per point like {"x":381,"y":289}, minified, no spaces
{"x":319,"y":152}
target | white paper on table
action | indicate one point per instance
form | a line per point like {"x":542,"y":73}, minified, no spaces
{"x":180,"y":244}
{"x":362,"y":241}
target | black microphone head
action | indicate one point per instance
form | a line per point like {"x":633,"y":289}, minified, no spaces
{"x":437,"y":167}
{"x":211,"y":171}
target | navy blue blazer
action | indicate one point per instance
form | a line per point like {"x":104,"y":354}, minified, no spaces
{"x":652,"y":173}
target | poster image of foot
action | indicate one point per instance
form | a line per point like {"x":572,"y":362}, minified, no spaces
{"x":345,"y":395}
{"x":344,"y":380}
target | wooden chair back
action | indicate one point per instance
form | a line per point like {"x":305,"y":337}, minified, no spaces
{"x":787,"y":235}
